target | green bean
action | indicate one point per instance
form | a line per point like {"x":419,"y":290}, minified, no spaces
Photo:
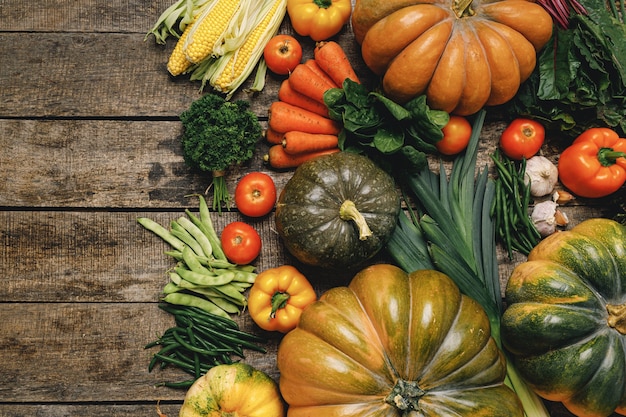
{"x":182,"y":234}
{"x":202,"y":279}
{"x":205,"y":218}
{"x":191,"y":347}
{"x":184,"y":299}
{"x":171,"y":360}
{"x":162,"y":232}
{"x":226,"y":304}
{"x":163,"y":351}
{"x":178,"y":385}
{"x":231,"y":291}
{"x":189,"y":257}
{"x":197,"y":234}
{"x":244,"y":276}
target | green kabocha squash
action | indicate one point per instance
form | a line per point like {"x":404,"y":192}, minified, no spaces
{"x":392,"y":344}
{"x":337,"y":211}
{"x":565,"y":323}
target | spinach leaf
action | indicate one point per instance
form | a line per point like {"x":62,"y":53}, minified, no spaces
{"x":395,"y":135}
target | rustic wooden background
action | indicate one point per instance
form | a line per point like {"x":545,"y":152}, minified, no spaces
{"x":89,"y":142}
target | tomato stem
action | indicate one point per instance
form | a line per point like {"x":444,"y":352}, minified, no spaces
{"x":348,"y":211}
{"x":279,"y":300}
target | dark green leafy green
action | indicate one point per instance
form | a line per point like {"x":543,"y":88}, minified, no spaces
{"x":580,"y":79}
{"x":378,"y":127}
{"x":219,"y":134}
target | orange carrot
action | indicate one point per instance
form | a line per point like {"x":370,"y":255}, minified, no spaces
{"x":287,"y":94}
{"x":304,"y":81}
{"x":296,"y":142}
{"x":285,"y":117}
{"x":279,"y":159}
{"x":333,"y":60}
{"x":311,"y":63}
{"x":273,"y":137}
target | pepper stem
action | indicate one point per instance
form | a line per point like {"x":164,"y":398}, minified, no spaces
{"x":348,"y":211}
{"x":279,"y":300}
{"x":607,"y":156}
{"x":323,"y":4}
{"x":405,"y":396}
{"x":617,"y":317}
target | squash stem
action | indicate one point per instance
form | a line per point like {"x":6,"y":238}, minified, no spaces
{"x":617,"y":317}
{"x":462,"y":8}
{"x":348,"y":211}
{"x":405,"y":396}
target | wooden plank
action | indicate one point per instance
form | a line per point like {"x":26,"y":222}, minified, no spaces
{"x":90,"y":352}
{"x":81,"y":15}
{"x":98,"y":256}
{"x":102,"y":163}
{"x":81,"y":75}
{"x":109,"y":409}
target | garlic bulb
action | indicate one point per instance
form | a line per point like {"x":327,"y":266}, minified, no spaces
{"x":546,"y":217}
{"x":542,"y":175}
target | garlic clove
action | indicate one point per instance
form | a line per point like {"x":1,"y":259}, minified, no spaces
{"x":541,"y":174}
{"x":560,"y":218}
{"x":562,"y":197}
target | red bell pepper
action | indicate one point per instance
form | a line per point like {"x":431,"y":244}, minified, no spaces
{"x":594,"y":165}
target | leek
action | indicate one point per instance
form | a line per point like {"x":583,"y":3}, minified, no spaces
{"x":451,"y":230}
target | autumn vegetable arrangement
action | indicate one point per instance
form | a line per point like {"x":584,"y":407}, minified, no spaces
{"x":430,"y":333}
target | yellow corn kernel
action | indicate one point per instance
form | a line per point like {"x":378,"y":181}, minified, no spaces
{"x":242,"y":61}
{"x":208,"y":30}
{"x":178,"y":62}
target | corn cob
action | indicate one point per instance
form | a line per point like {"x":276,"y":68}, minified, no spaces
{"x":178,"y":63}
{"x":209,"y":29}
{"x":174,"y":20}
{"x":237,"y":65}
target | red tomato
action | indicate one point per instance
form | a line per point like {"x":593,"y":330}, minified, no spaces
{"x":241,"y":243}
{"x":456,"y":136}
{"x":282,"y":53}
{"x":522,"y":138}
{"x":255,"y":194}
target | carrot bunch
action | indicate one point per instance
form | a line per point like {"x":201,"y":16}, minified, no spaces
{"x":299,"y":127}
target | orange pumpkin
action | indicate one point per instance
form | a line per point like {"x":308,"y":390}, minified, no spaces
{"x":461,"y":54}
{"x":392,"y":344}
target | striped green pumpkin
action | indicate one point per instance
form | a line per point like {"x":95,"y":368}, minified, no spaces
{"x":565,"y":323}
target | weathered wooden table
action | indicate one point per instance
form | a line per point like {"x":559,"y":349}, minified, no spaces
{"x":89,"y":141}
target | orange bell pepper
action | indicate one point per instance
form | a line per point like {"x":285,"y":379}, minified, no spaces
{"x":278,"y":297}
{"x":318,"y":19}
{"x":594,"y":165}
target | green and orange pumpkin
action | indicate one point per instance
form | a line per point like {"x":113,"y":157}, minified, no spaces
{"x":565,"y":323}
{"x":390,"y":345}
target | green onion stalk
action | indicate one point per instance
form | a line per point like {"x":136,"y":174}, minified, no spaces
{"x":451,"y":229}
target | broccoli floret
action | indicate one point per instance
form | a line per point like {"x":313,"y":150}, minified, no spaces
{"x":219,"y":134}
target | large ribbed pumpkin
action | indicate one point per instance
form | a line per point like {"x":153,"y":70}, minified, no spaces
{"x":565,"y":324}
{"x":394,"y":345}
{"x":462,"y":54}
